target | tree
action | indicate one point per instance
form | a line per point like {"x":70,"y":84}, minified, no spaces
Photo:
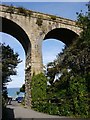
{"x":10,"y":61}
{"x":51,"y":72}
{"x":18,"y":92}
{"x":22,"y":89}
{"x":74,"y":66}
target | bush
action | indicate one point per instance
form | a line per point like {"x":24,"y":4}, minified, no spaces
{"x":10,"y":9}
{"x":30,"y":13}
{"x":53,"y":17}
{"x":39,"y":21}
{"x":22,"y":11}
{"x":38,"y":88}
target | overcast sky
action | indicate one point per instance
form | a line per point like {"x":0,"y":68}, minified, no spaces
{"x":50,"y":48}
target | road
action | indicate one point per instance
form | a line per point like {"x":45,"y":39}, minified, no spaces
{"x":15,"y":110}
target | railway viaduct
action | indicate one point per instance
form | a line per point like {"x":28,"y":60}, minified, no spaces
{"x":30,"y":28}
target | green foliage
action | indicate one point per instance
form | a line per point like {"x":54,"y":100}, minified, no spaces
{"x":10,"y":9}
{"x":79,"y":95}
{"x":53,"y":17}
{"x":38,"y":88}
{"x":25,"y":12}
{"x":22,"y":89}
{"x":39,"y":21}
{"x":18,"y":92}
{"x":30,"y":13}
{"x":51,"y":72}
{"x":22,"y":10}
{"x":10,"y":61}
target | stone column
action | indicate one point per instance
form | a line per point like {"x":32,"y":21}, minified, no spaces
{"x":33,"y":66}
{"x":28,"y":79}
{"x":36,"y":57}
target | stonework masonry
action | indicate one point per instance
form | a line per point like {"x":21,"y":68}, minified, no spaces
{"x":34,"y":36}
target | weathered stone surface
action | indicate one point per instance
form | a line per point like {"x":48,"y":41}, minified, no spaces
{"x":31,"y":35}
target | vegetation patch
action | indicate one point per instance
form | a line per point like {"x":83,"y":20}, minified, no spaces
{"x":10,"y":9}
{"x":53,"y":17}
{"x":22,"y":10}
{"x":39,"y":21}
{"x":38,"y":89}
{"x":30,"y":13}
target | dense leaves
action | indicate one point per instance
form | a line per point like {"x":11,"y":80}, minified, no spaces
{"x":51,"y":72}
{"x":38,"y":86}
{"x":74,"y":67}
{"x":22,"y":89}
{"x":10,"y":61}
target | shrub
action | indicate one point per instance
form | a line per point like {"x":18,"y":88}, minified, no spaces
{"x":22,"y":11}
{"x":38,"y":85}
{"x":10,"y":9}
{"x":30,"y":13}
{"x":53,"y":17}
{"x":39,"y":21}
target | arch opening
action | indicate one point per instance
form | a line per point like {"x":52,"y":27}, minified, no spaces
{"x":50,"y":50}
{"x":59,"y":37}
{"x":16,"y":31}
{"x":18,"y":79}
{"x":63,"y":34}
{"x":11,"y":28}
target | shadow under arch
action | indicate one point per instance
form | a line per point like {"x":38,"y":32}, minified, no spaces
{"x":63,"y":34}
{"x":16,"y":31}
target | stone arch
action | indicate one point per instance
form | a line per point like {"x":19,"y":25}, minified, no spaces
{"x":63,"y":34}
{"x":16,"y":31}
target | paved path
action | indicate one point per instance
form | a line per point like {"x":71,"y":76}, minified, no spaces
{"x":15,"y":110}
